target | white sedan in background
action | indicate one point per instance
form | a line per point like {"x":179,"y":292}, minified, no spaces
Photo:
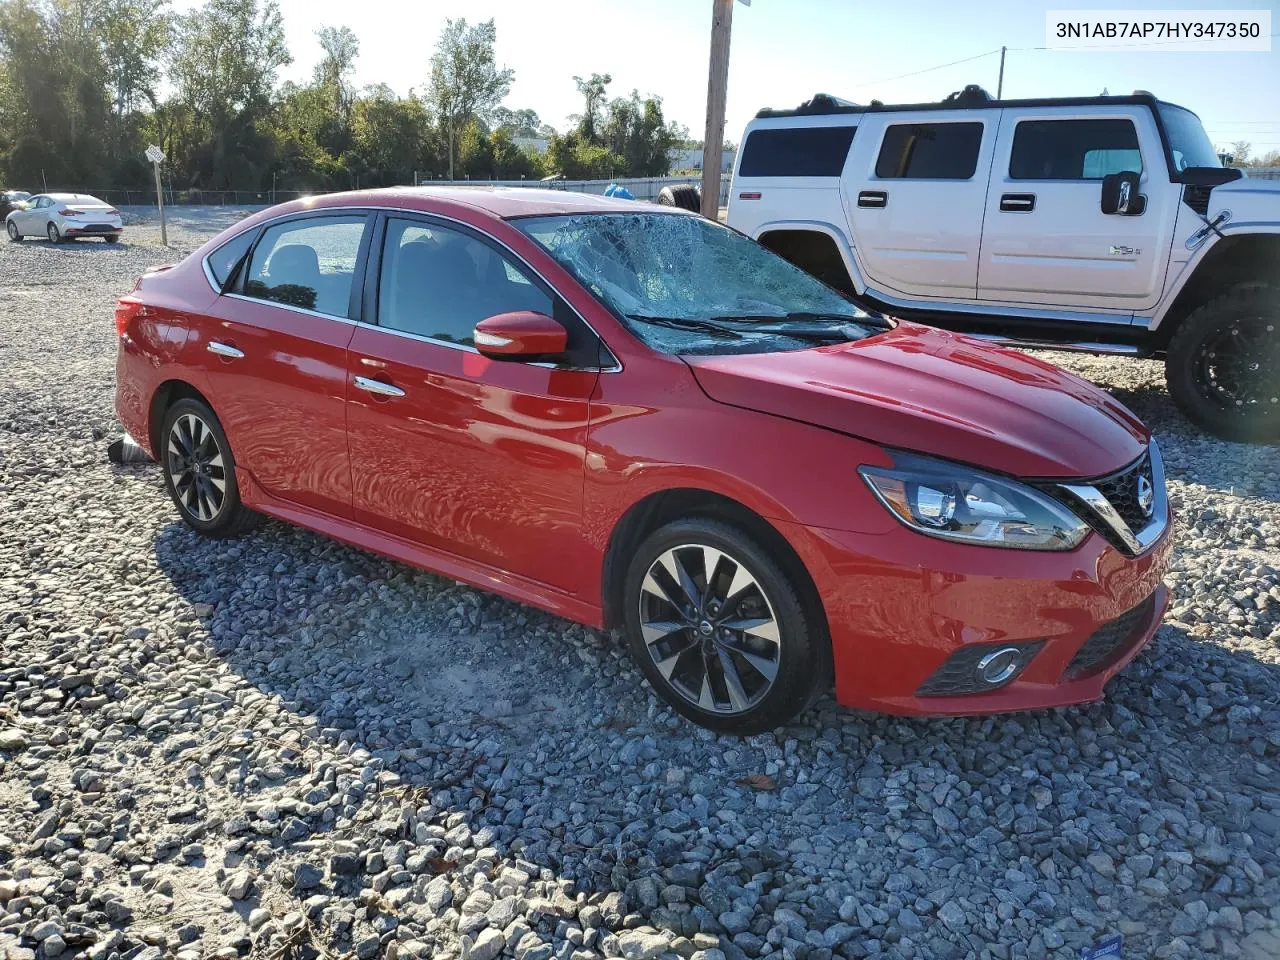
{"x":63,"y":216}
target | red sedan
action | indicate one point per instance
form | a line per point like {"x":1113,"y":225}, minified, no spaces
{"x":638,"y":419}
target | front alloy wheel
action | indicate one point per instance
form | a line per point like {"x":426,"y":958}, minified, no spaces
{"x":14,"y":232}
{"x":718,"y":627}
{"x":709,"y":628}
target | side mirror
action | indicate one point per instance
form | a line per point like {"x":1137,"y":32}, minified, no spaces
{"x":1120,"y":194}
{"x":520,"y":336}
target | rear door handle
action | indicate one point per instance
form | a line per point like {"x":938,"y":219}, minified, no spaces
{"x":873,"y":198}
{"x":378,"y":388}
{"x":1018,"y":202}
{"x":225,"y":350}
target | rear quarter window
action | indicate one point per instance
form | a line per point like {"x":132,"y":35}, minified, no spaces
{"x":796,"y":152}
{"x":223,"y":260}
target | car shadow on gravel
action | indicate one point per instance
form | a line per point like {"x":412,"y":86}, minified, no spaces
{"x":542,"y":731}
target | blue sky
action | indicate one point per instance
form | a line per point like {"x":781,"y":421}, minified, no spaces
{"x":786,"y":50}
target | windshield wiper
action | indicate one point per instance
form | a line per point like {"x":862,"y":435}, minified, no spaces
{"x":792,"y":325}
{"x":713,"y":327}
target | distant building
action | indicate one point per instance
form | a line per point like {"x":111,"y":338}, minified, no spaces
{"x":537,"y":144}
{"x":683,"y":158}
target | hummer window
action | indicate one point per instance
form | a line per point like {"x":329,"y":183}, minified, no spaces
{"x":1073,"y":149}
{"x":930,"y":151}
{"x":796,"y":152}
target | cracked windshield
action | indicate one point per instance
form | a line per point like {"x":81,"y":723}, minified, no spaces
{"x":685,"y":285}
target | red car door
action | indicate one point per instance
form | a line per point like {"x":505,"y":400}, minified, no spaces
{"x":274,"y":351}
{"x":477,"y":457}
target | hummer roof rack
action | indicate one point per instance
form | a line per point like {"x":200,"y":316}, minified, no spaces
{"x":970,"y":98}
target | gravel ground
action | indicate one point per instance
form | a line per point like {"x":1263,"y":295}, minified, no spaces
{"x":281,"y":746}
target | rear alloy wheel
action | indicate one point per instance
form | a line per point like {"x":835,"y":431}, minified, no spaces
{"x":111,"y":237}
{"x":51,"y":231}
{"x":719,"y":630}
{"x":1223,"y":365}
{"x":199,"y":471}
{"x":14,"y":233}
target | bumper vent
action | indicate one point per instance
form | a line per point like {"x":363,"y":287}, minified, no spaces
{"x":1110,"y":641}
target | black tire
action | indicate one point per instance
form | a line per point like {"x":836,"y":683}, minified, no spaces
{"x":15,"y":234}
{"x":1223,"y":405}
{"x":51,"y":231}
{"x":230,"y":518}
{"x":800,"y":658}
{"x":112,"y":238}
{"x":683,"y":195}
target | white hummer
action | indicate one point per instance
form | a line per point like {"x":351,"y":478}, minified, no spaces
{"x":1103,"y":224}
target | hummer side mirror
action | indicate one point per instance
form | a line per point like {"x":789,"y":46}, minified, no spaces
{"x":1120,"y":194}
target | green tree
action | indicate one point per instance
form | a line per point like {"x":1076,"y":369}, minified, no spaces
{"x":223,"y":71}
{"x":635,"y":130}
{"x":576,"y":158}
{"x":334,"y":71}
{"x":391,"y":138}
{"x":519,"y":123}
{"x":135,"y":34}
{"x":593,"y":92}
{"x":465,"y":79}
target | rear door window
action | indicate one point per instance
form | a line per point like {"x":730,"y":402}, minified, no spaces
{"x":796,"y":152}
{"x":308,"y":263}
{"x":1073,"y":149}
{"x":930,"y":151}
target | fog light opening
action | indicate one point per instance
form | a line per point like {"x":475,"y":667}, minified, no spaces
{"x":998,"y":666}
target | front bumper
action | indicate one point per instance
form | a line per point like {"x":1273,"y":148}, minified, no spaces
{"x":899,"y":605}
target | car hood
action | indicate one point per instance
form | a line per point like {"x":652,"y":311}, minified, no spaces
{"x":940,"y":393}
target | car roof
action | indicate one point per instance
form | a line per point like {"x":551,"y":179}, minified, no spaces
{"x":70,"y":196}
{"x":502,"y":202}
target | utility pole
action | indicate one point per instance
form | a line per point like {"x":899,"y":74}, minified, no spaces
{"x":1000,"y":82}
{"x":717,"y":86}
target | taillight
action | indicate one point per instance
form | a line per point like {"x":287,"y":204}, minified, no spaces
{"x":750,"y":195}
{"x":67,"y":212}
{"x":126,"y":309}
{"x":112,"y":212}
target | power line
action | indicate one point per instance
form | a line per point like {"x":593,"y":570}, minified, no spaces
{"x":916,"y":73}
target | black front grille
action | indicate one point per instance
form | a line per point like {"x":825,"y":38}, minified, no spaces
{"x":959,"y":675}
{"x":1121,"y":491}
{"x":1109,"y":641}
{"x":1196,"y":196}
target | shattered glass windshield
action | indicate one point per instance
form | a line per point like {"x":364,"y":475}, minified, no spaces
{"x":686,"y":285}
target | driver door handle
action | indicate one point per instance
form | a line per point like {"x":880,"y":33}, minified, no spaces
{"x":377,"y":387}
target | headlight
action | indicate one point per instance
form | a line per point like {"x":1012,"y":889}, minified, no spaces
{"x":955,"y":502}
